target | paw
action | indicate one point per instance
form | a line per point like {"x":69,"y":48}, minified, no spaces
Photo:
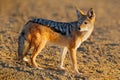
{"x":25,"y":59}
{"x":61,"y":67}
{"x":39,"y":68}
{"x":77,"y":72}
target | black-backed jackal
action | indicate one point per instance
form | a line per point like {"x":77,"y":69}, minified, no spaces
{"x":69,"y":36}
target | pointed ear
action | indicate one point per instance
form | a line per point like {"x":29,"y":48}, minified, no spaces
{"x":91,"y":13}
{"x":79,"y":13}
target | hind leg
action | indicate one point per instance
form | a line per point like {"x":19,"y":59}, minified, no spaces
{"x":37,"y":49}
{"x":25,"y":52}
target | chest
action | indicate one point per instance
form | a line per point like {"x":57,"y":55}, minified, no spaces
{"x":87,"y":35}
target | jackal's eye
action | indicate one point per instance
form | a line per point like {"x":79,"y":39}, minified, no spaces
{"x":85,"y":22}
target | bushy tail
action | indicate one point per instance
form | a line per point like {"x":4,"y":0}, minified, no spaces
{"x":22,"y":46}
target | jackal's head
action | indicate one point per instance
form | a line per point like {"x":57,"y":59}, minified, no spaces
{"x":85,"y":20}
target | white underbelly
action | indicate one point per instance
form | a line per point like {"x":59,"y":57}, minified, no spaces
{"x":60,"y":45}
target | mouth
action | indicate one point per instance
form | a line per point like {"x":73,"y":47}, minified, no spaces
{"x":84,"y":29}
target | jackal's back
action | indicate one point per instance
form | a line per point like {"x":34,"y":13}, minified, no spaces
{"x":64,"y":28}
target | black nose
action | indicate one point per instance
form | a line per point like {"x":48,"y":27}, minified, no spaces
{"x":79,"y":28}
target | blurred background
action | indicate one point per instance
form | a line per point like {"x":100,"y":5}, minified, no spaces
{"x":98,"y":57}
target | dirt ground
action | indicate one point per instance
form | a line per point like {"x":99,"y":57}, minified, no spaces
{"x":98,"y":57}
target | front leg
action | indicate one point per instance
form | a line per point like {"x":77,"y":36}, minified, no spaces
{"x":74,"y":60}
{"x":62,"y":57}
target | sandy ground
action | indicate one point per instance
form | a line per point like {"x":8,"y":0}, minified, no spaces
{"x":98,"y":57}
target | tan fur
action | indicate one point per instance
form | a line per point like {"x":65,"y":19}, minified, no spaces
{"x":38,"y":36}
